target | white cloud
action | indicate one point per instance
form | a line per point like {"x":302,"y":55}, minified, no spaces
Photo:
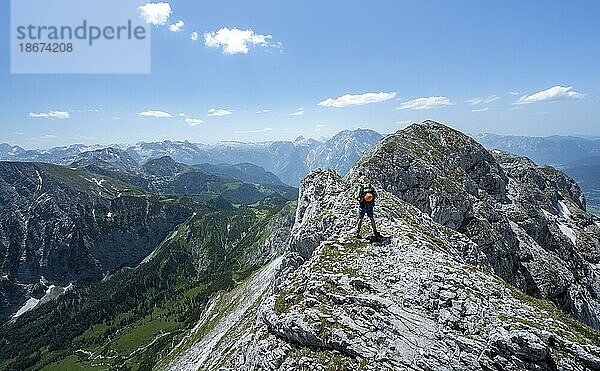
{"x":480,"y":110}
{"x":298,"y":112}
{"x":219,"y":112}
{"x":182,"y":115}
{"x":194,"y":36}
{"x":234,"y":41}
{"x":156,"y":13}
{"x":157,"y":114}
{"x":514,"y":93}
{"x":61,"y":115}
{"x":265,"y":130}
{"x":552,"y":94}
{"x":82,"y":137}
{"x":357,"y":99}
{"x":262,"y":111}
{"x":193,"y":122}
{"x":177,"y":26}
{"x":116,"y":118}
{"x":44,"y":137}
{"x":482,"y":100}
{"x":425,"y":103}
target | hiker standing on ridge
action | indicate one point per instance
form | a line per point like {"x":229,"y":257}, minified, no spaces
{"x":366,"y":196}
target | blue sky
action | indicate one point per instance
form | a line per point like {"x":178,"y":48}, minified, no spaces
{"x":508,"y":67}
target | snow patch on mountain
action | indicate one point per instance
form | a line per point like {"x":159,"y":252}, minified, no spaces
{"x":52,"y":293}
{"x":29,"y":305}
{"x":563,"y":210}
{"x":39,"y":186}
{"x":568,"y":232}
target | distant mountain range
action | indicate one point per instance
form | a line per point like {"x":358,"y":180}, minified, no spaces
{"x":290,"y":161}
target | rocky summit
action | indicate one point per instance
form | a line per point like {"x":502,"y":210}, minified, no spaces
{"x":487,"y":262}
{"x":529,"y":222}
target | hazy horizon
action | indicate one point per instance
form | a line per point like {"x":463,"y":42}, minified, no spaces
{"x":266,"y":140}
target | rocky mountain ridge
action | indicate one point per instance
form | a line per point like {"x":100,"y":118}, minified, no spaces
{"x":520,"y":215}
{"x":554,"y":150}
{"x":463,"y":230}
{"x":575,"y":156}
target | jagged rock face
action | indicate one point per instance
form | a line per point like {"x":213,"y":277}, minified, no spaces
{"x":439,"y":170}
{"x":507,"y":205}
{"x":554,"y":150}
{"x":544,"y":184}
{"x":577,"y":157}
{"x":342,"y":150}
{"x":409,"y":302}
{"x":68,"y":225}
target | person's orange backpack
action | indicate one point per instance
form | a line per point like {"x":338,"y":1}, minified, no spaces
{"x":367,"y":195}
